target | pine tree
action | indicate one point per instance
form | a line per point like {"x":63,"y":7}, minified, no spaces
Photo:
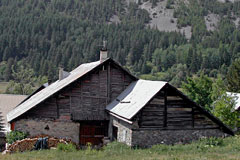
{"x":8,"y":70}
{"x":233,"y":76}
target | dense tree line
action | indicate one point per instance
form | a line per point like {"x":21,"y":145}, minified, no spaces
{"x":211,"y":94}
{"x":47,"y":34}
{"x":43,"y":35}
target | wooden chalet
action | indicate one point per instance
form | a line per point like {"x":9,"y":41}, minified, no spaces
{"x":102,"y":99}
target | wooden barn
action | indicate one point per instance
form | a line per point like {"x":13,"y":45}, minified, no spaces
{"x":102,"y":99}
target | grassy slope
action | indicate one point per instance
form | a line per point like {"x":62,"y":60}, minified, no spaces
{"x":228,"y":149}
{"x":3,"y":86}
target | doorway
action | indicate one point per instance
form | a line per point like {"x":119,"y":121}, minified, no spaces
{"x":93,"y":132}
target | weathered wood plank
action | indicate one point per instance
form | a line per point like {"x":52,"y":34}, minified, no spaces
{"x":180,"y":110}
{"x":149,"y":118}
{"x":156,"y":113}
{"x":151,"y":123}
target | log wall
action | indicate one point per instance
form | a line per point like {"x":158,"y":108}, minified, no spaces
{"x":87,"y":98}
{"x":169,"y":110}
{"x":47,"y":109}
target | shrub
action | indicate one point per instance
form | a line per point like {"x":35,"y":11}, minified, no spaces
{"x":13,"y":136}
{"x":205,"y":143}
{"x":213,"y":141}
{"x":66,"y":147}
{"x":90,"y":149}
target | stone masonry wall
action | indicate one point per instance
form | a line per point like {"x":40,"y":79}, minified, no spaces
{"x":124,"y":131}
{"x":147,"y":138}
{"x":68,"y":129}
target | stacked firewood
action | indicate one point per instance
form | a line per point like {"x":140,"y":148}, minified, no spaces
{"x":27,"y":144}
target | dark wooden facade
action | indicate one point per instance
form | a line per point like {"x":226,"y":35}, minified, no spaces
{"x":170,"y":109}
{"x":86,"y":98}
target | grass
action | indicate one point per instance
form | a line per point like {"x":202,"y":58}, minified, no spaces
{"x":3,"y":86}
{"x":214,"y":149}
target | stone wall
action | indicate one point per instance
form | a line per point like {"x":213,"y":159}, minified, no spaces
{"x":147,"y":138}
{"x":60,"y":129}
{"x":124,"y":131}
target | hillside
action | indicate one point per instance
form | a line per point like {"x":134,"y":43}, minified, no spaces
{"x":155,"y":39}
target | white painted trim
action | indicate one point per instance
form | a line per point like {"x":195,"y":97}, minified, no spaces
{"x":125,"y":120}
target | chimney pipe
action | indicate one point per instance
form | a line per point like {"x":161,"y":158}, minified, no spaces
{"x":49,"y":81}
{"x":103,"y":52}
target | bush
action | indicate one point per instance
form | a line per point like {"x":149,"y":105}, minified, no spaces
{"x":66,"y":147}
{"x":214,"y":141}
{"x":13,"y":136}
{"x":211,"y":142}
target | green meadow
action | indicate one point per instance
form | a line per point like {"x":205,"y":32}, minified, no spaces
{"x":204,"y":149}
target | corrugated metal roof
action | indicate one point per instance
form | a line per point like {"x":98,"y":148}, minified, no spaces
{"x":135,"y":97}
{"x":236,"y":97}
{"x":7,"y":103}
{"x":51,"y":89}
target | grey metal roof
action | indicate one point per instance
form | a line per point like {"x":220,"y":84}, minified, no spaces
{"x":51,"y":89}
{"x":135,"y":97}
{"x":236,"y":97}
{"x":7,"y":103}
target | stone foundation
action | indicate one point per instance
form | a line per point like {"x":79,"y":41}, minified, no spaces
{"x":147,"y":138}
{"x":68,"y":129}
{"x":132,"y":135}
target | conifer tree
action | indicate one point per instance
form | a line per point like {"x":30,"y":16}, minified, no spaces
{"x":233,"y":76}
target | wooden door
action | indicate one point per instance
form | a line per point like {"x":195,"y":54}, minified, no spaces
{"x":115,"y":133}
{"x":93,"y":134}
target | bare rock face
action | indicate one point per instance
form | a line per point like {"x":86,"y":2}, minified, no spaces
{"x":162,"y":18}
{"x":211,"y":21}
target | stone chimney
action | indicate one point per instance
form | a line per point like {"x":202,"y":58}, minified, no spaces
{"x":60,"y":73}
{"x":103,"y":52}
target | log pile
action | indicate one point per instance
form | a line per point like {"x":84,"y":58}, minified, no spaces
{"x":27,"y":144}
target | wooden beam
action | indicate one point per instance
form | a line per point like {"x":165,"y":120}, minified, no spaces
{"x":193,"y":117}
{"x":57,"y":107}
{"x":165,"y":107}
{"x":99,"y":90}
{"x":124,"y":81}
{"x":108,"y":82}
{"x":81,"y":90}
{"x":123,"y":119}
{"x":70,"y":105}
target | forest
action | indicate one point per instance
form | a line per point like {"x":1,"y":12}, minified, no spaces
{"x":38,"y":37}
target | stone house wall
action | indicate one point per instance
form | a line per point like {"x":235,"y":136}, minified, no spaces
{"x":60,"y":129}
{"x":149,"y":137}
{"x":124,"y":130}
